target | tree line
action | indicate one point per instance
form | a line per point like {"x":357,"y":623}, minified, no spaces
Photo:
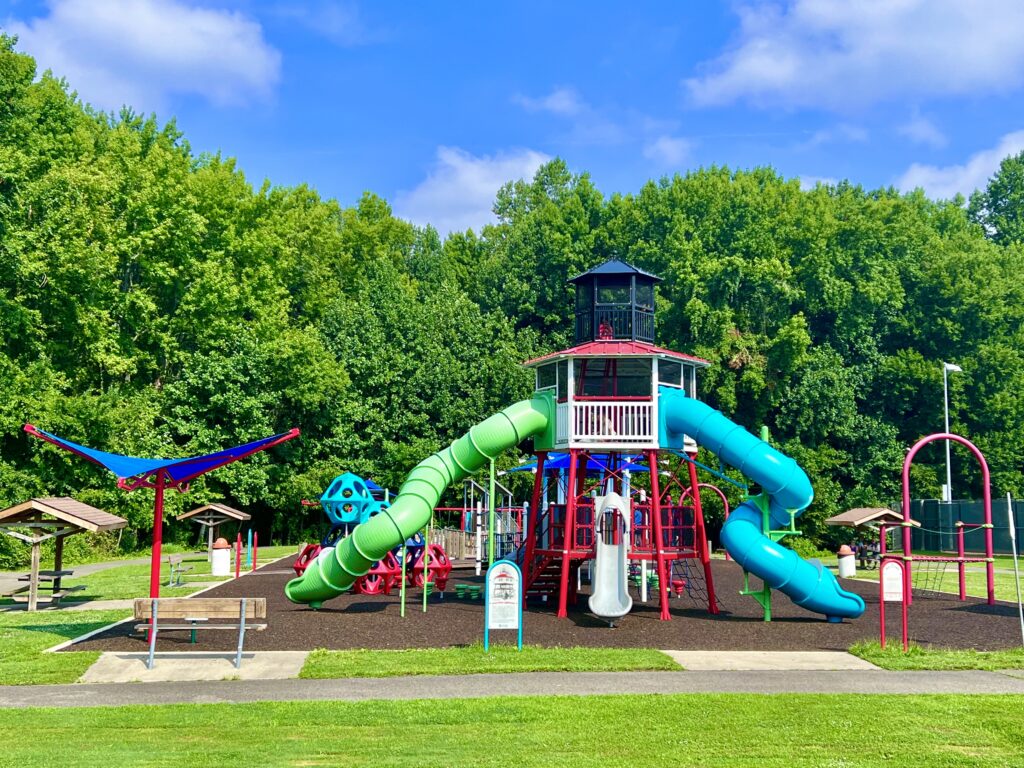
{"x":155,"y":302}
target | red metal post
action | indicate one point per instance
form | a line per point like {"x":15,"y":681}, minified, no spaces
{"x":158,"y":535}
{"x":532,"y":521}
{"x":568,"y":534}
{"x":238,"y":555}
{"x":881,"y":605}
{"x":659,"y":543}
{"x":903,"y":611}
{"x":701,"y":537}
{"x":255,"y":547}
{"x":961,"y":568}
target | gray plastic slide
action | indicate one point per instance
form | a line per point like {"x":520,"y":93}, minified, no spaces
{"x":610,"y":597}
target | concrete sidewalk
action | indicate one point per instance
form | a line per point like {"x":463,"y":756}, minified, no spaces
{"x":762,"y":661}
{"x":521,"y":684}
{"x":114,"y":667}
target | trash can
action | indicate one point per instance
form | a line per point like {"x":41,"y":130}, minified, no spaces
{"x":220,"y":564}
{"x":847,"y":563}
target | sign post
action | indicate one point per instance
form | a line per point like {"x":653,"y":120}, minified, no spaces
{"x":503,"y":601}
{"x":892,"y":588}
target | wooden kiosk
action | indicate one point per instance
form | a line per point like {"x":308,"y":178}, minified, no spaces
{"x":38,"y":520}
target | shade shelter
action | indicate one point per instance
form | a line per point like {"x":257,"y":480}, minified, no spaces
{"x":878,"y":520}
{"x":161,"y":474}
{"x":868,"y":517}
{"x":38,"y":520}
{"x":213,"y":516}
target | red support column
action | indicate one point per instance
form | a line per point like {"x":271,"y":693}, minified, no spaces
{"x":569,"y":534}
{"x":702,"y":538}
{"x":532,"y":521}
{"x":961,"y":570}
{"x":255,"y":547}
{"x":158,"y":535}
{"x":659,"y":541}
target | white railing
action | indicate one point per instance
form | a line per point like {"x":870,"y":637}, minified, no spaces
{"x":613,"y":422}
{"x":562,"y":423}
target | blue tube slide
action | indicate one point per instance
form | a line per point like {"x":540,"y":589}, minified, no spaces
{"x":786,"y":486}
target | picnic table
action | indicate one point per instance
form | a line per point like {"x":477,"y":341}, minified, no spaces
{"x":49,"y":582}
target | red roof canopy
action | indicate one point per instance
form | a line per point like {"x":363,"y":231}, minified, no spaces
{"x":620,"y":348}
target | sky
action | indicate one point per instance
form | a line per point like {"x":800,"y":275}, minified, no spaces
{"x":434,"y":105}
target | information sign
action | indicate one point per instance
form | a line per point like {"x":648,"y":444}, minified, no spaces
{"x":892,"y":581}
{"x":503,"y":600}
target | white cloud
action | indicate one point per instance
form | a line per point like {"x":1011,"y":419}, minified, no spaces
{"x":667,"y":150}
{"x":339,"y":22}
{"x":561,"y":101}
{"x":837,"y":54}
{"x":921,"y":130}
{"x":844,"y":132}
{"x":946,"y":182}
{"x":139,"y":52}
{"x":458,"y":193}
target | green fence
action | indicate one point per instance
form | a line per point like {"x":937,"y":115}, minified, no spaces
{"x":938,"y":532}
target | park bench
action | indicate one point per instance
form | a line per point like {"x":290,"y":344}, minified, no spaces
{"x":177,"y":568}
{"x":164,"y":614}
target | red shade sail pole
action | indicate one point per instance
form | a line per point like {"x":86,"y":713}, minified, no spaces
{"x":158,"y":535}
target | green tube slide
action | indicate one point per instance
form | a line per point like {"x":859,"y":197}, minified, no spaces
{"x":336,"y":568}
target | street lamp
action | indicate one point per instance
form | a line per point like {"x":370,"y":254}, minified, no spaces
{"x":946,"y":368}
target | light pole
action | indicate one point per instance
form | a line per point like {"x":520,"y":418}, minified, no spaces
{"x":946,"y":368}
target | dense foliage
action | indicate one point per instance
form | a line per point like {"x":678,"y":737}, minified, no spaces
{"x":154,"y":302}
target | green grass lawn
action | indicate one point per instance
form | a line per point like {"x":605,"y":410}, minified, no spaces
{"x":473,"y":660}
{"x":128,"y":581}
{"x":975,"y":578}
{"x":789,"y":731}
{"x":23,"y":636}
{"x":917,"y":657}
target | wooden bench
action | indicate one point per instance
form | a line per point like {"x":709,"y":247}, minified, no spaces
{"x":191,"y":614}
{"x":176,"y":566}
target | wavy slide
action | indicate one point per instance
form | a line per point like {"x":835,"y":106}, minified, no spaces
{"x":786,"y":487}
{"x":336,"y":568}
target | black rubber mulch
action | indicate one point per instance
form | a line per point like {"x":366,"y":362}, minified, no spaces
{"x":356,"y":621}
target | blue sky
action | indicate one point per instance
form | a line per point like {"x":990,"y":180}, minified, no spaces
{"x":434,"y":105}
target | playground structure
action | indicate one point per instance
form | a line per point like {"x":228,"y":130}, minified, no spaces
{"x":350,"y":501}
{"x":617,"y":395}
{"x":961,"y":559}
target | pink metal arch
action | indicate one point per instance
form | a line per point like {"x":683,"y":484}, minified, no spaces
{"x":986,"y":498}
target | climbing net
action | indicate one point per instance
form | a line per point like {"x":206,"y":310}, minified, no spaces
{"x":927,"y":576}
{"x":687,"y":581}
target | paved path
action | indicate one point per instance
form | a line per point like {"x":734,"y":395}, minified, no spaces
{"x":522,"y":684}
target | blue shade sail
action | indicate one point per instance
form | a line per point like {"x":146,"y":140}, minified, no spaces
{"x":177,"y":471}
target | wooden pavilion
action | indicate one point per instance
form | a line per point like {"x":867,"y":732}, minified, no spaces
{"x":213,"y":516}
{"x":38,"y":520}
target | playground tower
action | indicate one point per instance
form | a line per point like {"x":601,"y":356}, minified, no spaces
{"x":606,"y":394}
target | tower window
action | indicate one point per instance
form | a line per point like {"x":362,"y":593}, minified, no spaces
{"x":546,"y":376}
{"x":670,"y":373}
